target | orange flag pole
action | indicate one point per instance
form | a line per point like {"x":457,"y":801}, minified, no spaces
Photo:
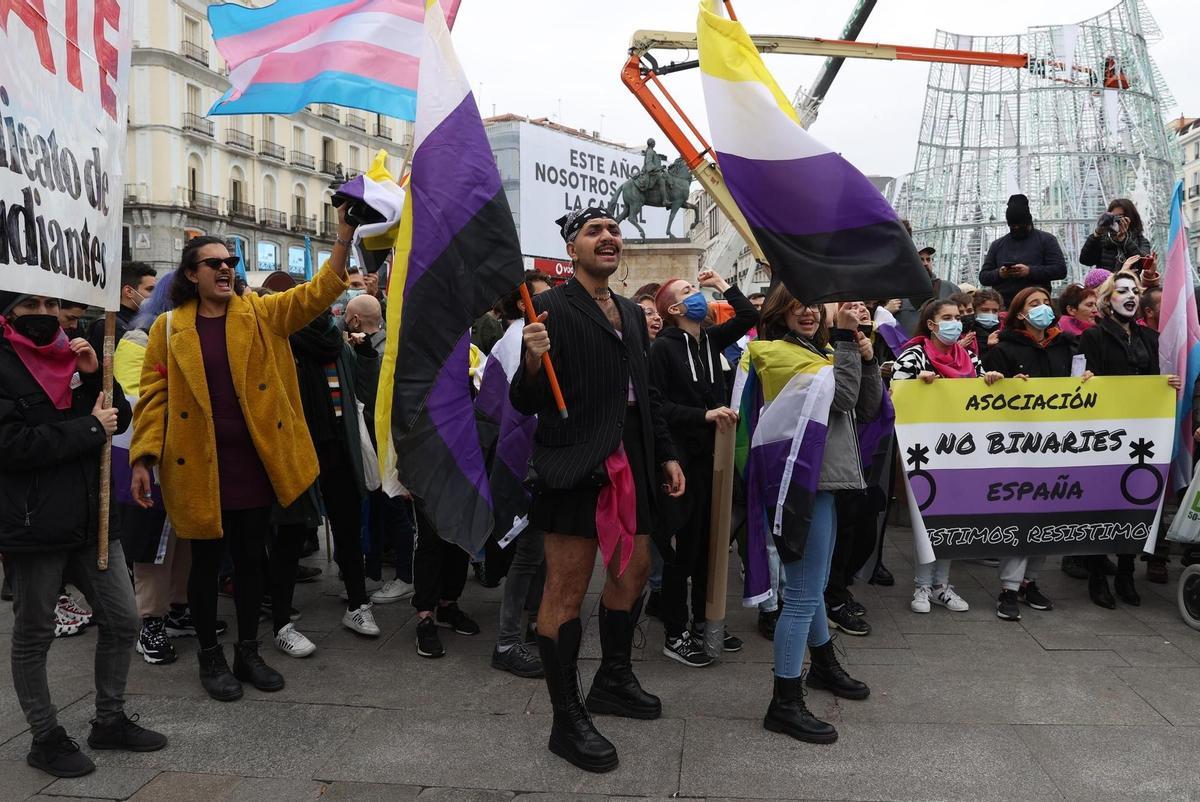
{"x":551,"y":376}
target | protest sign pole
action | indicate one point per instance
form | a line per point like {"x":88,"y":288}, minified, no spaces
{"x":718,"y":543}
{"x":110,"y":331}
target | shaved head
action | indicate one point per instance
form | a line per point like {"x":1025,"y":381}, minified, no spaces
{"x":363,"y":313}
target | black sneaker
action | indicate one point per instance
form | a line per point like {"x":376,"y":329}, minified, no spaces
{"x":428,"y":642}
{"x":179,"y":623}
{"x":519,"y":661}
{"x":766,"y":623}
{"x":125,"y":734}
{"x":452,"y":617}
{"x":153,"y":644}
{"x":841,"y":618}
{"x":1031,"y":595}
{"x":856,"y":608}
{"x":684,"y":650}
{"x":305,"y":573}
{"x":1006,"y":606}
{"x":58,"y":755}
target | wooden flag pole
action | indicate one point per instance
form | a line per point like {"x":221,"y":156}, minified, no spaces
{"x":547,"y":365}
{"x":110,"y":331}
{"x":718,"y":543}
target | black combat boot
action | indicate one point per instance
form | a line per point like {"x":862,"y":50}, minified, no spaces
{"x":788,"y":714}
{"x":573,"y":737}
{"x":615,"y":690}
{"x":826,"y":672}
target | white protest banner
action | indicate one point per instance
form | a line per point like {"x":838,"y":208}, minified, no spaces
{"x":1045,"y":466}
{"x":562,"y":173}
{"x":64,"y":78}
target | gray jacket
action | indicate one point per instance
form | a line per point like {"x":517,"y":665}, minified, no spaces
{"x":857,"y":395}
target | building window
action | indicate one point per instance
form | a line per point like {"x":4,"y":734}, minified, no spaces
{"x":298,"y":139}
{"x":193,"y":99}
{"x":268,"y":256}
{"x":322,"y":258}
{"x":296,"y":260}
{"x":714,"y":219}
{"x":353,"y":158}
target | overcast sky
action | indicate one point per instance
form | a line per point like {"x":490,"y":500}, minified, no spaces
{"x":562,"y":59}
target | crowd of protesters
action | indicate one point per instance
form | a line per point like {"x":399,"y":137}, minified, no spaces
{"x":245,"y":416}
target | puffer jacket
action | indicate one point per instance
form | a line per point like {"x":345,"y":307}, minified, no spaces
{"x":50,"y":471}
{"x":1017,"y":353}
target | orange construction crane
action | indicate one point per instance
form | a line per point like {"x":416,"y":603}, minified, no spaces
{"x":641,"y":75}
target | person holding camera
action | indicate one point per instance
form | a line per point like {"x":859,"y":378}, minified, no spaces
{"x":1024,"y":257}
{"x":1118,"y":238}
{"x":53,"y":426}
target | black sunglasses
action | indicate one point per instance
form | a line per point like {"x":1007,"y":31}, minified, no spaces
{"x":215,"y":262}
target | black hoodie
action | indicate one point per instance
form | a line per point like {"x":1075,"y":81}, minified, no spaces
{"x":1016,"y":354}
{"x":687,"y":374}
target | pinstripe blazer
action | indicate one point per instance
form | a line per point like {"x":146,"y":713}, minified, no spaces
{"x":594,"y":365}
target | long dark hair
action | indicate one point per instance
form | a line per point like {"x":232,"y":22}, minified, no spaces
{"x":774,"y":317}
{"x":1018,"y":304}
{"x":928,"y":311}
{"x":1135,"y":219}
{"x":182,"y":288}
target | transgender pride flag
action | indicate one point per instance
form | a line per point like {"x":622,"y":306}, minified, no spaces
{"x":826,"y":231}
{"x":361,"y":54}
{"x":1179,"y":338}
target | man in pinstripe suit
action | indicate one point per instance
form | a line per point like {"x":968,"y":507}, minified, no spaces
{"x":593,"y":476}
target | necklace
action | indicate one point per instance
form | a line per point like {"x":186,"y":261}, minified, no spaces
{"x":603,"y":295}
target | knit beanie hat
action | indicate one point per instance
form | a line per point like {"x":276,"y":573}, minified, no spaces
{"x":1095,"y":277}
{"x":10,"y":299}
{"x":1017,"y":212}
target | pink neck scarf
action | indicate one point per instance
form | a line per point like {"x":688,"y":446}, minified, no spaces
{"x":953,"y":364}
{"x":52,"y":366}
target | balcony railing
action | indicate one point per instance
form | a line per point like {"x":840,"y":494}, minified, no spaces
{"x":356,"y":121}
{"x":329,"y":167}
{"x":271,"y":149}
{"x":330,"y":112}
{"x":240,"y":210}
{"x":194,"y":122}
{"x":304,"y":224}
{"x":133,"y":193}
{"x":239,"y":139}
{"x":383,"y":131}
{"x":302,"y":159}
{"x":329,"y":223}
{"x":272,"y":218}
{"x":201,"y":201}
{"x":194,"y":52}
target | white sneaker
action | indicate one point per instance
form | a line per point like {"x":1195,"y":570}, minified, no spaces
{"x":293,"y":643}
{"x":392,"y":591}
{"x":920,"y":599}
{"x":65,"y":624}
{"x":361,"y":621}
{"x":951,"y":600}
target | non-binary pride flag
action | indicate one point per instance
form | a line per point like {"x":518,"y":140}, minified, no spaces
{"x":361,"y":54}
{"x":1179,"y":337}
{"x":456,"y":253}
{"x":826,"y":231}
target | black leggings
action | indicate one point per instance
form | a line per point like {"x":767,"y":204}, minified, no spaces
{"x":439,"y":567}
{"x":245,"y":536}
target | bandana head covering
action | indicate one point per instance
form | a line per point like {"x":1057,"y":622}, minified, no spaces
{"x":572,"y":222}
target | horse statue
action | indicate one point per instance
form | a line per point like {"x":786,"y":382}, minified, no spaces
{"x":644,"y":190}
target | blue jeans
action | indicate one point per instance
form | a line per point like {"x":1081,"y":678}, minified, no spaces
{"x":803,"y":617}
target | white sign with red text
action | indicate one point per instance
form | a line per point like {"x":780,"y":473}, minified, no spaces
{"x":64,"y":81}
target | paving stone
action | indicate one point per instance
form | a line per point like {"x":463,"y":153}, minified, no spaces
{"x":177,"y":786}
{"x":443,"y":750}
{"x":369,"y":792}
{"x":1173,"y":692}
{"x":1128,"y":763}
{"x":106,"y":782}
{"x":18,"y":780}
{"x":730,"y":758}
{"x":463,"y":795}
{"x":1149,"y":650}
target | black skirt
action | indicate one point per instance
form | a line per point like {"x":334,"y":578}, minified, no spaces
{"x":573,"y":511}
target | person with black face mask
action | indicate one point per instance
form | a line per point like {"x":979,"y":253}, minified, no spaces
{"x":53,"y":425}
{"x":1024,"y":257}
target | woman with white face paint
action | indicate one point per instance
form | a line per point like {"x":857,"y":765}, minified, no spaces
{"x":1118,"y":346}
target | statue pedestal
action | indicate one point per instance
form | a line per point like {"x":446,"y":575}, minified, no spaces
{"x":656,"y":260}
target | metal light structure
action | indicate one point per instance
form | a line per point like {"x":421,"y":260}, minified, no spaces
{"x":1084,"y":124}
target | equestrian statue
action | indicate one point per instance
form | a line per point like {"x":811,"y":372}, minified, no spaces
{"x":654,"y":186}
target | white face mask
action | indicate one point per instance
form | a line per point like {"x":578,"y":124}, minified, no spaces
{"x":1124,"y":300}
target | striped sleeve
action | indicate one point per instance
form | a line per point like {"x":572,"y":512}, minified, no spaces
{"x":910,"y":363}
{"x":979,"y":371}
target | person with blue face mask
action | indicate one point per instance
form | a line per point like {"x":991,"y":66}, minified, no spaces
{"x":935,"y":354}
{"x":1031,"y":346}
{"x":687,"y":370}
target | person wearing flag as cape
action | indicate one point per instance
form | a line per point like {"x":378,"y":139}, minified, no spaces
{"x":807,"y":386}
{"x":593,"y":477}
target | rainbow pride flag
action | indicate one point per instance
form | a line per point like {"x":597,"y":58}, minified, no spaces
{"x":826,"y":230}
{"x":1179,"y":337}
{"x":361,"y":54}
{"x":457,"y":251}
